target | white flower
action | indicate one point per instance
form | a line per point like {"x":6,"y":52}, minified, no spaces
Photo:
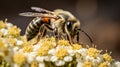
{"x":47,"y":58}
{"x":31,"y":56}
{"x":71,"y":52}
{"x":88,"y":58}
{"x":36,"y":47}
{"x":116,"y":64}
{"x":59,"y":63}
{"x":41,"y":65}
{"x":40,"y":58}
{"x":95,"y":61}
{"x":52,"y":51}
{"x":68,"y":58}
{"x":79,"y":64}
{"x":53,"y":58}
{"x":16,"y":65}
{"x":30,"y":59}
{"x":82,"y":51}
{"x":19,"y":42}
{"x":15,"y":49}
{"x":9,"y":25}
{"x":4,"y":31}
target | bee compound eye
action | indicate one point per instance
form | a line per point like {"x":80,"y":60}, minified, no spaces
{"x":69,"y":25}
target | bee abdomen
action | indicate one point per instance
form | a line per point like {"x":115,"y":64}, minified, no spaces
{"x":33,"y":28}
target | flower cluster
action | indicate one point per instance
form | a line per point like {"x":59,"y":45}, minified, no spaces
{"x":16,"y":51}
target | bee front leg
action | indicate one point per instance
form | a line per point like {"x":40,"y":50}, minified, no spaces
{"x":78,"y":37}
{"x":56,"y":36}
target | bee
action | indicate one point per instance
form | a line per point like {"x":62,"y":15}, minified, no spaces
{"x":60,"y":22}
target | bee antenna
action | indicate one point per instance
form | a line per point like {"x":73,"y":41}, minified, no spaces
{"x":86,"y":35}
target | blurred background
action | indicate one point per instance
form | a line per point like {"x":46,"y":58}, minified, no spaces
{"x":99,"y":18}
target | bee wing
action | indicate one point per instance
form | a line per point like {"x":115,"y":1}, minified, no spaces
{"x":31,"y":14}
{"x":41,"y":10}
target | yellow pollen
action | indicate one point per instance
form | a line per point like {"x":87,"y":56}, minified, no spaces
{"x":14,"y":31}
{"x":34,"y":64}
{"x":61,"y":53}
{"x":76,"y":46}
{"x":63,"y":42}
{"x":1,"y":33}
{"x":107,"y":57}
{"x":103,"y":64}
{"x":19,"y":58}
{"x":87,"y":64}
{"x":27,"y":48}
{"x":12,"y":41}
{"x":93,"y":52}
{"x":1,"y":44}
{"x":2,"y":24}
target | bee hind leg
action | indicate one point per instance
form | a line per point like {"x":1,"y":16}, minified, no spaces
{"x":41,"y":34}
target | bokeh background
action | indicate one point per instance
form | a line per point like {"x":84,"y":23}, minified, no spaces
{"x":99,"y":18}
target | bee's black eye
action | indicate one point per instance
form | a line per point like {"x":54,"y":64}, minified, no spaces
{"x":69,"y":25}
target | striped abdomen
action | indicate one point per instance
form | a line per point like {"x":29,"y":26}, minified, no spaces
{"x":33,"y":28}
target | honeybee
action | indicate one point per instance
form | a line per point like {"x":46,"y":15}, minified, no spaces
{"x":62,"y":23}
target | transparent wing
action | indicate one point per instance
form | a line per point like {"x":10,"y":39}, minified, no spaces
{"x":31,"y":14}
{"x":38,"y":9}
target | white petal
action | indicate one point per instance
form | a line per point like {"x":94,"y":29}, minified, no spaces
{"x":117,"y":64}
{"x":36,"y":47}
{"x":68,"y":58}
{"x":33,"y":54}
{"x":9,"y":25}
{"x":53,"y":58}
{"x":47,"y":58}
{"x":41,"y":65}
{"x":40,"y":58}
{"x":16,"y":65}
{"x":71,"y":52}
{"x":30,"y":59}
{"x":52,"y":51}
{"x":15,"y":49}
{"x":59,"y":63}
{"x":19,"y":42}
{"x":79,"y":64}
{"x":4,"y":31}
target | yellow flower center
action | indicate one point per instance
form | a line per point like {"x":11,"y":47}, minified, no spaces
{"x":107,"y":57}
{"x":2,"y":24}
{"x":61,"y":53}
{"x":76,"y":46}
{"x":1,"y":44}
{"x":87,"y":64}
{"x":27,"y":48}
{"x":52,"y":39}
{"x":103,"y":64}
{"x":12,"y":41}
{"x":19,"y":58}
{"x":63,"y":42}
{"x":46,"y":46}
{"x":34,"y":64}
{"x":42,"y":51}
{"x":93,"y":52}
{"x":1,"y":33}
{"x":14,"y":31}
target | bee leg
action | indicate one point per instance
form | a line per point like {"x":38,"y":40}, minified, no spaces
{"x":70,"y":38}
{"x":78,"y":37}
{"x":56,"y":36}
{"x":40,"y":35}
